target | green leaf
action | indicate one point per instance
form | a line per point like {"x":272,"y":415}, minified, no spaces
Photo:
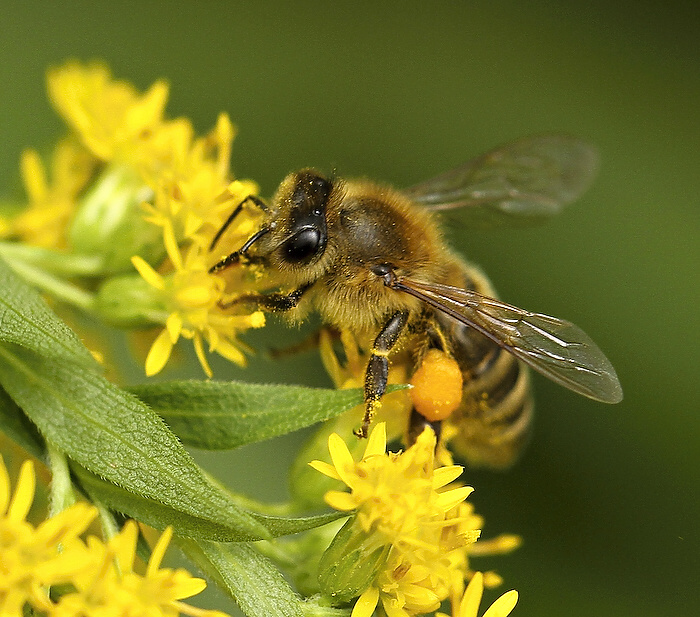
{"x":159,"y":516}
{"x":26,"y":320}
{"x":152,"y":512}
{"x":222,"y":415}
{"x":285,"y":526}
{"x":18,"y":428}
{"x":250,"y":578}
{"x":114,"y":435}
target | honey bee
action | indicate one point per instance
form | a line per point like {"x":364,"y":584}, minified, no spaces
{"x":372,"y":259}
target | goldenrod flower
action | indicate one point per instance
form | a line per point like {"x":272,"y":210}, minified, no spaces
{"x":111,"y":587}
{"x":52,"y":197}
{"x":400,"y":500}
{"x":393,"y":493}
{"x":192,"y":296}
{"x":189,"y":177}
{"x":403,"y":502}
{"x":32,"y":559}
{"x":111,"y":118}
{"x":195,"y":193}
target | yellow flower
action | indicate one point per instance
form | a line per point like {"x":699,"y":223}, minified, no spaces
{"x":52,"y":201}
{"x":192,"y":299}
{"x":403,"y":589}
{"x":393,"y":493}
{"x":111,"y":587}
{"x":468,"y":604}
{"x":402,"y":501}
{"x":189,"y":177}
{"x":195,"y":194}
{"x":32,"y":559}
{"x":111,"y":118}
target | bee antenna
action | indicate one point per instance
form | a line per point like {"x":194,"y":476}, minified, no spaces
{"x":237,"y":210}
{"x":235,"y":257}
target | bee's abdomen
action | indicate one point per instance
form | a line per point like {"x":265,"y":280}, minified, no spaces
{"x":492,"y":425}
{"x":493,"y":422}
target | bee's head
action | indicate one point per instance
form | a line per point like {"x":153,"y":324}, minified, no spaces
{"x":294,"y":234}
{"x":298,"y":229}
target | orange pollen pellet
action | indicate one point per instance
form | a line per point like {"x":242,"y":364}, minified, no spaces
{"x":437,"y":386}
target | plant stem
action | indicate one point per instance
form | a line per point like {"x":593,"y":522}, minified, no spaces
{"x":54,"y":286}
{"x":62,"y":495}
{"x":69,"y":264}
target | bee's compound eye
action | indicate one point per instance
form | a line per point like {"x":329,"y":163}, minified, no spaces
{"x":303,"y":245}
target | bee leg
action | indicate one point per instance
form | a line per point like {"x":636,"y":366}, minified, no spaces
{"x":378,"y":367}
{"x":274,"y":302}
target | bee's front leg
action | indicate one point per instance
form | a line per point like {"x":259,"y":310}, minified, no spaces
{"x":273,"y":302}
{"x":378,"y":367}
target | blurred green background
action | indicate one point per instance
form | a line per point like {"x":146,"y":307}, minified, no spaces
{"x":606,"y":498}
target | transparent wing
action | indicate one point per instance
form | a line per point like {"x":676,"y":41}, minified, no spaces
{"x":519,"y":183}
{"x":558,"y":349}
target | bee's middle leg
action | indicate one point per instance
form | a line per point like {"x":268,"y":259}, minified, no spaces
{"x":377,"y":373}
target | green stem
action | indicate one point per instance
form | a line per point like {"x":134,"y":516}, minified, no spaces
{"x":68,"y":264}
{"x":54,"y":286}
{"x":110,"y":528}
{"x":62,"y":495}
{"x":313,"y":608}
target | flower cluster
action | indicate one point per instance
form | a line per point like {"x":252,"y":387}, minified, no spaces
{"x":97,"y":578}
{"x":417,"y":530}
{"x":130,"y":188}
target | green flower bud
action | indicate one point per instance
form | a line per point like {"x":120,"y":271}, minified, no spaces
{"x":128,"y":301}
{"x":110,"y":223}
{"x":350,"y":563}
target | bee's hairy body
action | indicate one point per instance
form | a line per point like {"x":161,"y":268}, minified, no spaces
{"x":368,"y":226}
{"x":372,"y":260}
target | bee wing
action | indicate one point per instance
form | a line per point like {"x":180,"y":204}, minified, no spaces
{"x":556,"y":348}
{"x":522,"y":182}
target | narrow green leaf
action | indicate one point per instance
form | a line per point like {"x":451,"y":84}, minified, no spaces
{"x":18,"y":428}
{"x":286,"y":526}
{"x":250,"y":578}
{"x":26,"y":320}
{"x":114,"y":435}
{"x":158,"y":515}
{"x":218,"y":415}
{"x":152,"y":512}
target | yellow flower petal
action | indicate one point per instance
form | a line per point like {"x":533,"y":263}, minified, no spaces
{"x":173,"y":324}
{"x":159,"y":354}
{"x":148,"y":273}
{"x":4,"y":486}
{"x":505,"y":543}
{"x":450,"y":499}
{"x":230,"y":352}
{"x":340,"y":501}
{"x":159,"y":551}
{"x":469,"y":606}
{"x":504,"y":605}
{"x":444,"y":475}
{"x":171,"y":246}
{"x":376,"y":444}
{"x":24,"y":493}
{"x":366,"y":603}
{"x":325,"y":469}
{"x":33,"y":175}
{"x":201,"y":355}
{"x":341,"y":457}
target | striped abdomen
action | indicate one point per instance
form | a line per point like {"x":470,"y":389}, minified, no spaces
{"x":491,"y":426}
